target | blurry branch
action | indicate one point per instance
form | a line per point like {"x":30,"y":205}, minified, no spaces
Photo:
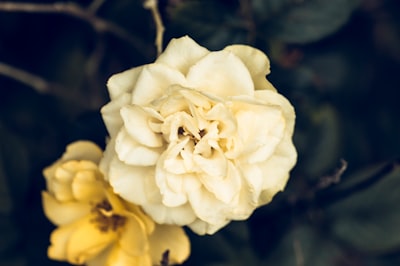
{"x":38,"y":83}
{"x":76,"y":11}
{"x":327,"y":181}
{"x":153,"y":6}
{"x":95,"y":5}
{"x":41,"y":85}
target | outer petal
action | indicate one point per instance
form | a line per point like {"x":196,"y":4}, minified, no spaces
{"x":123,"y":82}
{"x":161,"y":214}
{"x":201,"y":227}
{"x":182,"y":53}
{"x":78,"y":242}
{"x":221,"y":73}
{"x":131,"y":182}
{"x":118,"y":257}
{"x":83,"y":150}
{"x":63,"y":213}
{"x":153,"y":82}
{"x":256,"y":62}
{"x":133,"y":153}
{"x":261,"y":128}
{"x":136,"y":122}
{"x":134,"y":240}
{"x":87,"y":186}
{"x":172,"y":238}
{"x":225,"y":188}
{"x":111,"y":113}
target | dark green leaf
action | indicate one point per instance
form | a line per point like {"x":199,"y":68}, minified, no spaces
{"x":369,"y":218}
{"x":307,"y":21}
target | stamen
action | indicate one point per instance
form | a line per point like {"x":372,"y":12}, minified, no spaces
{"x":104,"y":219}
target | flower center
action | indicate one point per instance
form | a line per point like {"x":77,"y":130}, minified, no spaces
{"x":104,"y":218}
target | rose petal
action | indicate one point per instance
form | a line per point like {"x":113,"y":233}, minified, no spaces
{"x":136,"y":122}
{"x":130,"y":181}
{"x":87,"y":186}
{"x":83,"y":150}
{"x":123,"y":82}
{"x":63,"y":213}
{"x":222,"y":74}
{"x":133,"y":153}
{"x":201,"y":227}
{"x":261,"y":129}
{"x":182,"y":53}
{"x":161,"y":214}
{"x":134,"y":240}
{"x":111,"y":113}
{"x":207,"y":207}
{"x":118,"y":257}
{"x":256,"y":62}
{"x":224,"y":188}
{"x":87,"y":241}
{"x":171,"y":238}
{"x":153,"y":81}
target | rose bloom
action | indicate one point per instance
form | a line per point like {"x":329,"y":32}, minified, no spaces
{"x":198,"y":138}
{"x":95,"y":226}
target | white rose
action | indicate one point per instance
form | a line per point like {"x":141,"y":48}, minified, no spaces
{"x":198,"y":138}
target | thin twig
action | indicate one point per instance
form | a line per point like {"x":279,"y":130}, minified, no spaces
{"x":153,"y":6}
{"x":95,"y":5}
{"x":74,"y":10}
{"x":38,"y":83}
{"x":329,"y":180}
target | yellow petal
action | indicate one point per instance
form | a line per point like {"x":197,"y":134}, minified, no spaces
{"x":256,"y":62}
{"x":134,"y":239}
{"x":182,"y":53}
{"x":83,"y":150}
{"x":225,"y":188}
{"x":130,"y":182}
{"x":133,"y":153}
{"x":153,"y":82}
{"x":123,"y":82}
{"x":118,"y":257}
{"x":111,"y":113}
{"x":172,"y":238}
{"x":87,"y":241}
{"x":136,"y":122}
{"x":222,"y":74}
{"x":161,"y":214}
{"x":87,"y":186}
{"x":63,"y":213}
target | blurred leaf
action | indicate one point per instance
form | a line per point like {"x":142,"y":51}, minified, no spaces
{"x":304,"y":21}
{"x":323,"y":144}
{"x":304,"y":246}
{"x":228,"y":247}
{"x":211,"y":23}
{"x":369,"y":219}
{"x":14,"y":168}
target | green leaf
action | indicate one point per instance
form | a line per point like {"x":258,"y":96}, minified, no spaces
{"x":306,"y":21}
{"x":14,"y":168}
{"x":323,"y":144}
{"x":303,"y":246}
{"x":210,"y":23}
{"x":369,"y":218}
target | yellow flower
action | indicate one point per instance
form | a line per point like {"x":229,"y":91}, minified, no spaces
{"x":198,"y":138}
{"x":95,"y":226}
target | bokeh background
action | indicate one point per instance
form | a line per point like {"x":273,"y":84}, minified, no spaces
{"x":337,"y":61}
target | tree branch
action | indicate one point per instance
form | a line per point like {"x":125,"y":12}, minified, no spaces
{"x":76,"y":11}
{"x":153,"y":6}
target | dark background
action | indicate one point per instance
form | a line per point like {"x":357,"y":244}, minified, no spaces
{"x":338,"y":62}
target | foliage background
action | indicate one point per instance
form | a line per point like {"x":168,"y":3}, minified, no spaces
{"x":337,"y":61}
